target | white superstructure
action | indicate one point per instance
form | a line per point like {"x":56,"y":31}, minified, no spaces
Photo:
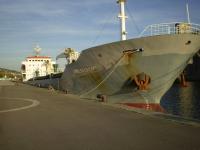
{"x":35,"y":66}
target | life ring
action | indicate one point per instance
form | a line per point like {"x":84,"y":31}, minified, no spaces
{"x":142,"y":81}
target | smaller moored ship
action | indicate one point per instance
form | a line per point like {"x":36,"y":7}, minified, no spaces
{"x":37,"y":66}
{"x":41,"y":71}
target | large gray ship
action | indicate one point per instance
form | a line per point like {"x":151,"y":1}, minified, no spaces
{"x":135,"y":72}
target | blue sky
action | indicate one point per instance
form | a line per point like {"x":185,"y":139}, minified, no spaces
{"x":78,"y":24}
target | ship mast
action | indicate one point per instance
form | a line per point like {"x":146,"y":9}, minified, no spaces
{"x":188,"y":13}
{"x":123,"y":18}
{"x":37,"y":50}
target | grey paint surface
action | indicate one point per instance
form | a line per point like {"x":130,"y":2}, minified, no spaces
{"x":106,"y":70}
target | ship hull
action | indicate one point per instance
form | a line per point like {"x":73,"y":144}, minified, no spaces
{"x":111,"y":70}
{"x":108,"y":70}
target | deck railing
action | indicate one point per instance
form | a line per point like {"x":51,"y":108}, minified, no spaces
{"x":170,"y":28}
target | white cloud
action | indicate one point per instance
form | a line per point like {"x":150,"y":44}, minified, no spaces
{"x":68,"y":31}
{"x":48,"y":8}
{"x":92,"y":2}
{"x":31,"y":8}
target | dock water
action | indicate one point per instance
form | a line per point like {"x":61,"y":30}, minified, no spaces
{"x":183,"y":101}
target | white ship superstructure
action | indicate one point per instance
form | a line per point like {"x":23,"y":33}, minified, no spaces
{"x":36,"y":66}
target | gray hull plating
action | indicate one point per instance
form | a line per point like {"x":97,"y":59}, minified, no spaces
{"x":107,"y":70}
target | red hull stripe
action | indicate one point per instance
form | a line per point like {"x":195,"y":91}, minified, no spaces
{"x":38,"y":57}
{"x":151,"y":106}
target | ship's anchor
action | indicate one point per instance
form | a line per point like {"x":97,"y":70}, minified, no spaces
{"x":142,"y":80}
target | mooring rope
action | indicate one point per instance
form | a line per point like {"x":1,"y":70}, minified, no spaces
{"x":114,"y":68}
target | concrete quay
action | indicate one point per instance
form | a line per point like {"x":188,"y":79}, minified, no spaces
{"x":38,"y":119}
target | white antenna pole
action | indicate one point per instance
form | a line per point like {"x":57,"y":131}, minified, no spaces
{"x":37,"y":50}
{"x":123,"y":18}
{"x":188,"y":13}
